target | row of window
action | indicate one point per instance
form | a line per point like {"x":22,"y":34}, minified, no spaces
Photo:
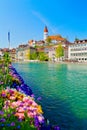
{"x":78,"y":49}
{"x":81,"y":59}
{"x":79,"y":54}
{"x":77,"y":45}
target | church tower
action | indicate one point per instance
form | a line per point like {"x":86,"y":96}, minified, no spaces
{"x":45,"y":33}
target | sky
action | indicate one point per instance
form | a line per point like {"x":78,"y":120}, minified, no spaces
{"x":26,"y":19}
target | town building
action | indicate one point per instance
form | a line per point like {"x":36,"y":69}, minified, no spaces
{"x":1,"y":53}
{"x":52,"y":51}
{"x":12,"y":53}
{"x":52,"y":42}
{"x":78,"y":51}
{"x":23,"y":52}
{"x":55,"y":39}
{"x":32,"y":43}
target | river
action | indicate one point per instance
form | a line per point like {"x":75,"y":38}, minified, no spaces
{"x":63,"y":91}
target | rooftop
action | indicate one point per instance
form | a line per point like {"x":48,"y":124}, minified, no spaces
{"x":57,"y":38}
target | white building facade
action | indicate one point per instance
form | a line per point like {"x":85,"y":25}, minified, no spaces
{"x":78,"y":51}
{"x":52,"y":56}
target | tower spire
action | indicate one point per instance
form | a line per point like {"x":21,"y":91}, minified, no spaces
{"x":45,"y":29}
{"x":45,"y":33}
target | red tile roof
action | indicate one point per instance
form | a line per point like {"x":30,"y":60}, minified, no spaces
{"x":57,"y":38}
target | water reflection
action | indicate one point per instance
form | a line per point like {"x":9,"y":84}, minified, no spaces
{"x":63,"y":88}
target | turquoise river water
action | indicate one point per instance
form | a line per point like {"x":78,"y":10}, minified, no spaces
{"x":63,"y":91}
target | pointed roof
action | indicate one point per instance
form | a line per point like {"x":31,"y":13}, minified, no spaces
{"x":45,"y":29}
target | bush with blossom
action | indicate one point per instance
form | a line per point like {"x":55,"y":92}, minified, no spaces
{"x":21,"y":107}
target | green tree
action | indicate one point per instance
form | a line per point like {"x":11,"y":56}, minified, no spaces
{"x":5,"y":68}
{"x":42,"y":56}
{"x":48,"y":40}
{"x":59,"y":51}
{"x":33,"y":56}
{"x":6,"y":58}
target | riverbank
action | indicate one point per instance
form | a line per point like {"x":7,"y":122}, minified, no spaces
{"x":59,"y":62}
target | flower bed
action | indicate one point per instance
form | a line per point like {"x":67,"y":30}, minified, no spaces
{"x":18,"y":109}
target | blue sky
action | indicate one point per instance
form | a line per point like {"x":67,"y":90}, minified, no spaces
{"x":25,"y":19}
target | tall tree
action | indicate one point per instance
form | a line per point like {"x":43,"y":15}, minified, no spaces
{"x":59,"y":52}
{"x":33,"y":56}
{"x":42,"y":56}
{"x":6,"y":58}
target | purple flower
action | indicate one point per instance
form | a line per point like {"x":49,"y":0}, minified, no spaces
{"x":1,"y":82}
{"x":1,"y":112}
{"x":3,"y":95}
{"x":13,"y":124}
{"x":32,"y":95}
{"x":13,"y":113}
{"x":18,"y":88}
{"x":21,"y":104}
{"x":39,"y":98}
{"x":20,"y":120}
{"x":7,"y":104}
{"x":2,"y":120}
{"x":8,"y":115}
{"x":36,"y":122}
{"x":56,"y":128}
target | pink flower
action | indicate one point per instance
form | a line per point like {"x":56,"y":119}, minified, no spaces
{"x":12,"y":97}
{"x":25,"y":99}
{"x":11,"y":91}
{"x":26,"y":104}
{"x":20,"y":109}
{"x":20,"y":115}
{"x":34,"y":113}
{"x":22,"y":104}
{"x":7,"y":103}
{"x":30,"y":114}
{"x":34,"y":104}
{"x":18,"y":102}
{"x":14,"y":105}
